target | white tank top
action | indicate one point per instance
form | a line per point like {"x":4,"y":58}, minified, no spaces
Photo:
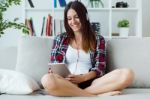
{"x":83,"y":64}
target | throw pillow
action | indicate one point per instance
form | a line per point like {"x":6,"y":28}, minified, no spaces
{"x":13,"y":82}
{"x":33,"y":56}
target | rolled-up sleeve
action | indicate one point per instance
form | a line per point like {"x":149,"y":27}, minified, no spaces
{"x":55,"y":56}
{"x":99,"y":57}
{"x":59,"y":48}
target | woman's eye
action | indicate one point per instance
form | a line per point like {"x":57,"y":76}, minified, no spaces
{"x":76,"y":17}
{"x":68,"y":18}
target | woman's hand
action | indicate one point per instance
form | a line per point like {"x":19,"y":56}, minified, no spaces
{"x":50,"y":71}
{"x":56,"y":75}
{"x":76,"y":79}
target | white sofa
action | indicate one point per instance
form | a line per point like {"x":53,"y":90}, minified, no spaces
{"x":31,"y":57}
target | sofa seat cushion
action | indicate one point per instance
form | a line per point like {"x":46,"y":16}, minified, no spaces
{"x":127,"y":94}
{"x":136,"y":91}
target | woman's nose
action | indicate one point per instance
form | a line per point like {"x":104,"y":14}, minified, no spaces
{"x":73,"y":20}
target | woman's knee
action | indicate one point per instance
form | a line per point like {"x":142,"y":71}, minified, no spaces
{"x":48,"y":81}
{"x":127,"y":76}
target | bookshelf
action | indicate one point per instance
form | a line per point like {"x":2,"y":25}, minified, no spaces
{"x":108,"y":16}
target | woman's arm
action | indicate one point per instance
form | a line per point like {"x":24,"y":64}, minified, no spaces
{"x":59,"y":48}
{"x":90,"y":75}
{"x":99,"y":62}
{"x":54,"y":52}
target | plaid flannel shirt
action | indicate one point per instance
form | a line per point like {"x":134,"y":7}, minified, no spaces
{"x":60,"y":47}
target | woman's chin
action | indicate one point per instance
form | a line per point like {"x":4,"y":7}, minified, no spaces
{"x":76,"y":30}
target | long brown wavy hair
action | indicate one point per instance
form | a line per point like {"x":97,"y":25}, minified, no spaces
{"x":88,"y":35}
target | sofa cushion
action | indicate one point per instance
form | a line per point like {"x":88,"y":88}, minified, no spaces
{"x":8,"y":56}
{"x":33,"y":56}
{"x":131,"y":53}
{"x":136,"y":91}
{"x":13,"y":82}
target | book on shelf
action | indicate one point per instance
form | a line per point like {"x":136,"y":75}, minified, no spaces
{"x":46,"y":27}
{"x":49,"y":25}
{"x":32,"y":27}
{"x":31,"y":3}
{"x":29,"y":24}
{"x":43,"y":27}
{"x":55,"y":3}
{"x":62,"y":3}
{"x":96,"y":27}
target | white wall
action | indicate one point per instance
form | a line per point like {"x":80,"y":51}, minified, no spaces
{"x":146,"y":17}
{"x":10,"y":38}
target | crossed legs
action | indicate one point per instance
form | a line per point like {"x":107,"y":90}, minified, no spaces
{"x":58,"y":86}
{"x":110,"y":83}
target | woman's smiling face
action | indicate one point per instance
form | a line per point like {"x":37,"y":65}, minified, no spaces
{"x":73,"y":20}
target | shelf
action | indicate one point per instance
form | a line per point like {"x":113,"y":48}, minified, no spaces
{"x":89,"y":9}
{"x":59,"y":9}
{"x":98,"y":9}
{"x":108,"y":17}
{"x":124,"y":9}
{"x":118,"y":37}
{"x":38,"y":9}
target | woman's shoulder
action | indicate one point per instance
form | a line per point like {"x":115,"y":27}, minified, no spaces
{"x":99,"y":37}
{"x":61,"y":36}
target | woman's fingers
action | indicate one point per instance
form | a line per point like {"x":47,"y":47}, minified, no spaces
{"x":71,"y":76}
{"x":50,"y":71}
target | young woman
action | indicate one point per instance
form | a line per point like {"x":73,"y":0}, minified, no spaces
{"x":84,"y":52}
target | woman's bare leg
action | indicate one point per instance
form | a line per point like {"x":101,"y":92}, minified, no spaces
{"x":58,"y":86}
{"x":111,"y":93}
{"x":113,"y":81}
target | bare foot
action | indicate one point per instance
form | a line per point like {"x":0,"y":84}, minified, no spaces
{"x":112,"y":93}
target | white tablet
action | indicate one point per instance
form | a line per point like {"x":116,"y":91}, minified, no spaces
{"x":60,"y":69}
